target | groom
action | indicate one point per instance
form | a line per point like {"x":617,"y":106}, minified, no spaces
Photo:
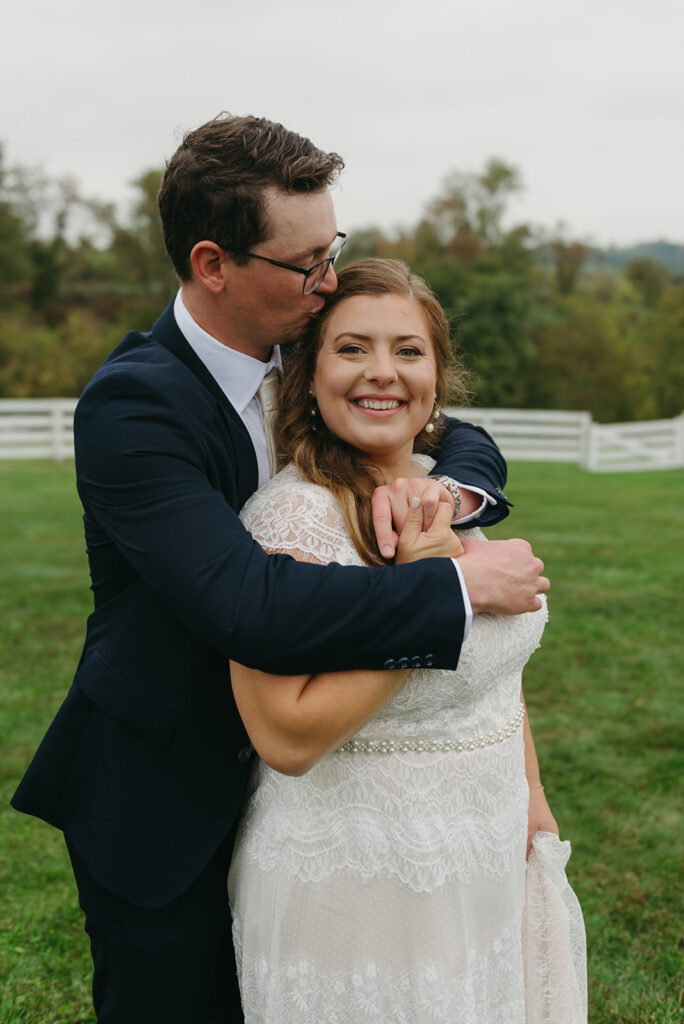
{"x":145,"y":764}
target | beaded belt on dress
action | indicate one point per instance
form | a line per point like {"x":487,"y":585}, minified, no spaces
{"x":418,"y":746}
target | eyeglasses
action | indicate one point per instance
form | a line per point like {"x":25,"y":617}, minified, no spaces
{"x":313,"y":276}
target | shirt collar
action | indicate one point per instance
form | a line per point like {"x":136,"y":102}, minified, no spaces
{"x":238,"y":375}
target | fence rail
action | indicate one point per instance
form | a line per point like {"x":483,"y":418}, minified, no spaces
{"x":42,"y":428}
{"x":37,"y":428}
{"x":536,"y":435}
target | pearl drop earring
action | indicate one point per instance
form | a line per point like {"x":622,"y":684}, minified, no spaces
{"x":436,"y":413}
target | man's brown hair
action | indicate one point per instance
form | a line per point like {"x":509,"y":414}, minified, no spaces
{"x":214,"y":183}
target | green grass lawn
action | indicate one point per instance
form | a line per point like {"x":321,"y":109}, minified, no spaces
{"x":603,"y":692}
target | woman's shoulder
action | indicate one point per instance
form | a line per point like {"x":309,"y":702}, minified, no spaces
{"x":291,"y":514}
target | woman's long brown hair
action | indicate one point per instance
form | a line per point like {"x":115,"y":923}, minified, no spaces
{"x":304,"y":439}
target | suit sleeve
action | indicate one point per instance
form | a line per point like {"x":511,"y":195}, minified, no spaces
{"x":143,"y":477}
{"x":469,"y":454}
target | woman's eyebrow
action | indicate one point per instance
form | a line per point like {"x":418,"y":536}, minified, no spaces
{"x":352,"y":334}
{"x":366,"y":337}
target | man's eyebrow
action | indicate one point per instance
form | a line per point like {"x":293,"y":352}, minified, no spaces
{"x":321,"y":249}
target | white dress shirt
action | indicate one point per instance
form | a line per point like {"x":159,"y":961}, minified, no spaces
{"x":239,"y":376}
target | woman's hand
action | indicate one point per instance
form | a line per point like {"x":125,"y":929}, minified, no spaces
{"x":439,"y":541}
{"x":539,"y":816}
{"x":392,"y":503}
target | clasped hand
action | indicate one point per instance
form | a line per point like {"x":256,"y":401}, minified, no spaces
{"x":392,"y":503}
{"x":437,"y":541}
{"x":502,"y":577}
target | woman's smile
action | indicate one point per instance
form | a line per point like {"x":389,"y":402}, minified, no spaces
{"x":376,"y":404}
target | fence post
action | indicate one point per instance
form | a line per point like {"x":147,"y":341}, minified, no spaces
{"x":585,"y":452}
{"x":593,"y":447}
{"x":57,"y":444}
{"x":679,"y":439}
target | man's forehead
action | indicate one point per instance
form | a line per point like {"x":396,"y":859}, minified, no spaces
{"x":303,"y":221}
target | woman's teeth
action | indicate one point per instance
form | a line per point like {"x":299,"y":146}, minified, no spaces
{"x":374,"y":403}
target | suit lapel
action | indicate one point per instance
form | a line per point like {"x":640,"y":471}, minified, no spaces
{"x":167,"y":333}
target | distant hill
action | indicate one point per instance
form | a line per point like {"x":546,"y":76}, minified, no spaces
{"x":668,"y":254}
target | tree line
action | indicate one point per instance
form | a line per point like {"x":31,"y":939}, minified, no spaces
{"x":540,"y":323}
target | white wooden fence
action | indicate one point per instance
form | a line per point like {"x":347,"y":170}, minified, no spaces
{"x":536,"y":435}
{"x":37,"y":428}
{"x":42,"y":428}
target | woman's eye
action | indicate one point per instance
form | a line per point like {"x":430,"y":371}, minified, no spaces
{"x":410,"y":351}
{"x":350,"y":349}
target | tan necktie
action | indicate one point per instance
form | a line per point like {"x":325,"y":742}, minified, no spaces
{"x":268,"y":399}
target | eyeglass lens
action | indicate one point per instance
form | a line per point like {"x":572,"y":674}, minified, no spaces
{"x":315,"y":276}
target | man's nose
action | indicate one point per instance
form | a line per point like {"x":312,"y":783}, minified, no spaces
{"x":329,"y":283}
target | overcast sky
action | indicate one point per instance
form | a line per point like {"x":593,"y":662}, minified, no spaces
{"x":585,"y":97}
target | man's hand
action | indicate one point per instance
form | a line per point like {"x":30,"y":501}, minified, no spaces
{"x":502,"y":576}
{"x":439,"y":541}
{"x":391,"y":505}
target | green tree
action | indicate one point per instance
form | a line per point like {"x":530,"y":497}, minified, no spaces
{"x":15,"y":257}
{"x":589,"y":359}
{"x":649,"y":278}
{"x":662,"y":334}
{"x":139,"y":245}
{"x":468,"y":213}
{"x":569,"y":258}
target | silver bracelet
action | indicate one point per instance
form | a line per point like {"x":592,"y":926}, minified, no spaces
{"x":454,"y":490}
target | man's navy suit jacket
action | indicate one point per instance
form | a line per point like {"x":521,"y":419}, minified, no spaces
{"x":145,"y":763}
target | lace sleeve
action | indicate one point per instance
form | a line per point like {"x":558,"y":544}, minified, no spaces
{"x":298,"y":518}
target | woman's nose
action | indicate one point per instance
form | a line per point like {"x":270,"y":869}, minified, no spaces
{"x":381,"y":369}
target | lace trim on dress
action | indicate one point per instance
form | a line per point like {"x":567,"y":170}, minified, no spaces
{"x":420,"y":821}
{"x":299,"y":990}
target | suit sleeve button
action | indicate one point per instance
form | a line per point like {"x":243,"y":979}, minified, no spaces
{"x":417,"y":661}
{"x":244,"y":755}
{"x":390,"y":663}
{"x":429,"y":660}
{"x":403,"y":663}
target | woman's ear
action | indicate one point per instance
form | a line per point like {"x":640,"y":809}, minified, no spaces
{"x":207,"y":259}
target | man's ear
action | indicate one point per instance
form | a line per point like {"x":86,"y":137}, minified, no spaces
{"x":207,"y":263}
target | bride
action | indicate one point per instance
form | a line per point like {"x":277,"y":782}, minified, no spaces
{"x":380,"y":868}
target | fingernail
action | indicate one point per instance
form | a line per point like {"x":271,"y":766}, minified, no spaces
{"x":388,"y":551}
{"x":415,"y":502}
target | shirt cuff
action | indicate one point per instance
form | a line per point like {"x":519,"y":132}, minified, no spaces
{"x":486,"y":500}
{"x":466,"y":600}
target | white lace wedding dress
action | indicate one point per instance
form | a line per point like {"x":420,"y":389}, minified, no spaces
{"x":387,"y":884}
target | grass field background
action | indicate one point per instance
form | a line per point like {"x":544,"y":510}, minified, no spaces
{"x":603,"y":692}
